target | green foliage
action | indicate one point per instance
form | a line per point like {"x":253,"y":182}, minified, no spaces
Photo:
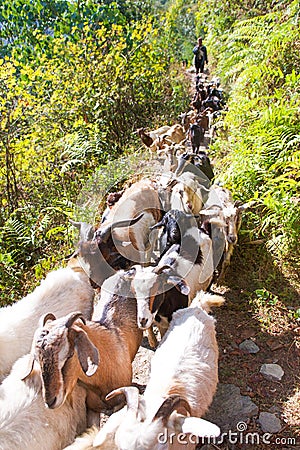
{"x":76,"y":80}
{"x":22,"y":21}
{"x":179,"y":28}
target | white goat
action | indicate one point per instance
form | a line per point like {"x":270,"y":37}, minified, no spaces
{"x":225,"y":217}
{"x":63,"y":290}
{"x":184,"y":377}
{"x":192,"y":260}
{"x":187,"y":194}
{"x":25,"y":421}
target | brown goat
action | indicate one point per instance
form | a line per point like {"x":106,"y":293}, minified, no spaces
{"x":123,"y":239}
{"x":98,"y":355}
{"x":148,"y":137}
{"x":175,"y":134}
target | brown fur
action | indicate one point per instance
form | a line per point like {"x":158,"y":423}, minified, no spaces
{"x":145,"y":137}
{"x":140,"y":197}
{"x":113,"y":197}
{"x":115,"y":368}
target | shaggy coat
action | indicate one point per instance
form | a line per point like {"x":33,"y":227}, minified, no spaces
{"x":62,"y":291}
{"x":25,"y":421}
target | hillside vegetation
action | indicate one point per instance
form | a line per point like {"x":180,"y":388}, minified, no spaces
{"x":73,"y":91}
{"x":78,"y":78}
{"x":255,"y":49}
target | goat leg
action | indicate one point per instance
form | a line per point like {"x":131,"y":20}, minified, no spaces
{"x":151,"y":337}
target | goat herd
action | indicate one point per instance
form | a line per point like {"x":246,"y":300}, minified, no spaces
{"x":162,"y":242}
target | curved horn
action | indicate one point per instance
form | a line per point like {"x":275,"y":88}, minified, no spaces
{"x":126,"y":222}
{"x":45,"y":317}
{"x":131,"y":394}
{"x":157,"y":225}
{"x":180,"y":166}
{"x":158,"y":270}
{"x":171,"y":403}
{"x":105,"y":232}
{"x":75,"y":224}
{"x":70,"y":319}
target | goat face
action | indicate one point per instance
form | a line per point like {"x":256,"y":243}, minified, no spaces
{"x":131,"y":429}
{"x":54,"y":347}
{"x":232,"y":220}
{"x":146,"y":287}
{"x":187,"y":197}
{"x":149,"y":285}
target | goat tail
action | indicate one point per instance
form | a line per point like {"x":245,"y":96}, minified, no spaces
{"x":206,"y":301}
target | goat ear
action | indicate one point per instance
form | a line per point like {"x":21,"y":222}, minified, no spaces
{"x":199,"y":427}
{"x":245,"y":205}
{"x":160,"y":269}
{"x":179,"y":283}
{"x":28,"y":367}
{"x":129,"y":274}
{"x":88,"y":354}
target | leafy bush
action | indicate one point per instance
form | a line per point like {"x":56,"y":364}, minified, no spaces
{"x":68,"y":106}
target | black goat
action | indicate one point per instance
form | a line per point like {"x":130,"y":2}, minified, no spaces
{"x":203,"y":163}
{"x":174,"y":223}
{"x":198,"y":164}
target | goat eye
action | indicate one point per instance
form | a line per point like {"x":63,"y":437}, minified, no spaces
{"x":41,"y":337}
{"x":44,"y":333}
{"x":180,"y":192}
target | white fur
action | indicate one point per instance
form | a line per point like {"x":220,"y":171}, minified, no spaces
{"x":186,"y":364}
{"x":188,"y":355}
{"x":197,"y":277}
{"x":186,"y":194}
{"x":27,"y":424}
{"x":225,"y":218}
{"x":143,"y":282}
{"x":62,"y":291}
{"x":85,"y":441}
